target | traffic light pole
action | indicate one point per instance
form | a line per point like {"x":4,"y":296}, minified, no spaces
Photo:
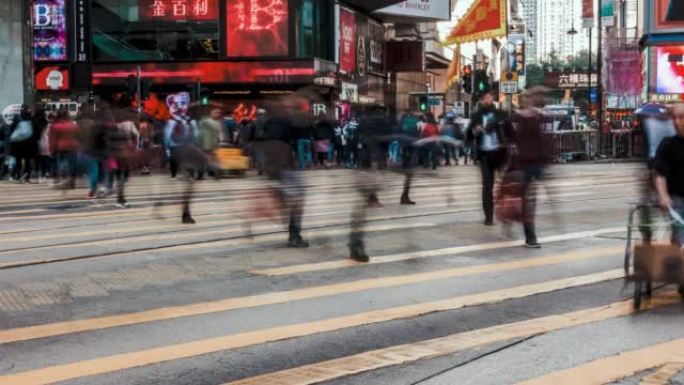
{"x":138,"y":90}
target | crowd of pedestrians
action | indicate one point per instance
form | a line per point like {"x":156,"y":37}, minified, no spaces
{"x":109,"y":141}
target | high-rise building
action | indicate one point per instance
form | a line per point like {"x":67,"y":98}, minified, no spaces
{"x":529,"y":13}
{"x":554,"y":18}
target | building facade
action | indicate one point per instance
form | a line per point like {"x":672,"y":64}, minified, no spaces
{"x":11,"y":49}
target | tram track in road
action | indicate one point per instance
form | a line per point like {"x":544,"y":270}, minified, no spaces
{"x":45,"y":261}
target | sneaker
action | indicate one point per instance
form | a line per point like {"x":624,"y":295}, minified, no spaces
{"x":406,"y":201}
{"x":297,"y":243}
{"x":533,"y":245}
{"x":188,"y":220}
{"x":122,"y":205}
{"x":358,"y":253}
{"x":489,"y":222}
{"x":90,"y":195}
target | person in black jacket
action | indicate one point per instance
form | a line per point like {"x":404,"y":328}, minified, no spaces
{"x":488,"y":130}
{"x":279,"y":135}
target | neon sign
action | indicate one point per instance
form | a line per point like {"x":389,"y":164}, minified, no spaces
{"x":257,"y":28}
{"x":195,"y":10}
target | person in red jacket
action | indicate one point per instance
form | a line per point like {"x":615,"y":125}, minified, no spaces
{"x":430,"y":129}
{"x":63,"y":139}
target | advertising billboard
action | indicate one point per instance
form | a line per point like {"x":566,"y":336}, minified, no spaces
{"x":257,"y":28}
{"x":52,"y":78}
{"x":49,"y":30}
{"x":197,"y":10}
{"x":435,"y":10}
{"x":670,"y":69}
{"x":347,"y":41}
{"x":667,"y":16}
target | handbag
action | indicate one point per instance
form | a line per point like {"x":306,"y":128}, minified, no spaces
{"x":23,"y":131}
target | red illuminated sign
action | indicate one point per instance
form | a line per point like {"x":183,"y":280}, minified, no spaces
{"x":268,"y":72}
{"x":178,"y":9}
{"x":257,"y":28}
{"x":347,"y":41}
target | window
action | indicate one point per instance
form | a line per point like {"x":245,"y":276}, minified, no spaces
{"x":314,"y":29}
{"x":155,"y":30}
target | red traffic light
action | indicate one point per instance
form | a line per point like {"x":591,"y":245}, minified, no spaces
{"x":467,"y":70}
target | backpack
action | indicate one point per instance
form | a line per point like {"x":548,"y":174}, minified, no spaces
{"x":23,"y":131}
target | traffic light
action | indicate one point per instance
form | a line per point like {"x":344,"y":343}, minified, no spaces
{"x":205,"y":97}
{"x":423,"y":104}
{"x":467,"y":79}
{"x":482,"y":85}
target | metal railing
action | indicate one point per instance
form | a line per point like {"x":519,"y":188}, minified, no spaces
{"x":570,"y":146}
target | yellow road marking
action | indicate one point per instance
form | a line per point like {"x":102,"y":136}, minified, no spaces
{"x":124,"y":361}
{"x":402,"y":354}
{"x":311,"y":267}
{"x":615,"y":368}
{"x":663,"y":375}
{"x":61,"y":328}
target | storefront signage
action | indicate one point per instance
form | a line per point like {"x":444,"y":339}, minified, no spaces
{"x":82,"y":30}
{"x":670,"y":69}
{"x":361,"y":57}
{"x":347,"y":41}
{"x":667,"y":16}
{"x":350,"y":92}
{"x":178,"y":9}
{"x":557,"y":80}
{"x":262,"y":72}
{"x":326,"y":81}
{"x":257,"y":28}
{"x":376,"y":48}
{"x":52,"y":78}
{"x":49,"y":30}
{"x":608,"y":12}
{"x":588,"y":13}
{"x":666,"y":98}
{"x":420,"y":9}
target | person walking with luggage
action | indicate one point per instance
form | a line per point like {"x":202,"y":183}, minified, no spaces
{"x":487,"y":131}
{"x":530,"y":153}
{"x":669,"y":170}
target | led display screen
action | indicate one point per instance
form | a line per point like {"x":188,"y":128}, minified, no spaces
{"x":49,"y":30}
{"x":668,"y":15}
{"x":256,"y":28}
{"x":670,"y":70}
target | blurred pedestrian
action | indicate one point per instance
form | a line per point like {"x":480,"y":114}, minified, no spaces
{"x":486,"y":130}
{"x":450,"y":129}
{"x":430,"y":154}
{"x":323,"y":134}
{"x":63,"y":137}
{"x":23,"y":145}
{"x":121,"y":139}
{"x":530,"y":152}
{"x":209,"y":136}
{"x":350,"y":132}
{"x":669,"y":170}
{"x":180,"y":130}
{"x":279,"y":167}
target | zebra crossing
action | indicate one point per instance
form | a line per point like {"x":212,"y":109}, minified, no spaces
{"x":92,"y":295}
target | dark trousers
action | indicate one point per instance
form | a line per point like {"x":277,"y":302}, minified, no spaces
{"x":532,"y":174}
{"x":173,"y":162}
{"x":490,"y":161}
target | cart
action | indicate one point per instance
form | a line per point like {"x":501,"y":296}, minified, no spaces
{"x":231,"y":160}
{"x":654,"y":262}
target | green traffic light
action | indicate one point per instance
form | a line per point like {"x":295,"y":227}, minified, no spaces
{"x":204,"y":101}
{"x":423,"y":107}
{"x":481,"y":87}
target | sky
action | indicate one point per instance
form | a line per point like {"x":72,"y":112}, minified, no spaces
{"x":445,"y":28}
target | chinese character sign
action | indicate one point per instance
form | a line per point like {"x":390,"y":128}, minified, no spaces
{"x":347,"y":41}
{"x":49,"y":30}
{"x":195,"y":10}
{"x":257,"y":28}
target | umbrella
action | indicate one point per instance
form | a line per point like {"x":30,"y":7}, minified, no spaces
{"x":651,"y":109}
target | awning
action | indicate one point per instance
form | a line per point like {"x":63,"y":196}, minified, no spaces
{"x":371,"y":5}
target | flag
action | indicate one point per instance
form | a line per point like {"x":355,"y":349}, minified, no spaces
{"x":454,"y":71}
{"x":485,"y":19}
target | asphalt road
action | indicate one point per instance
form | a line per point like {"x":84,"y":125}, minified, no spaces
{"x":90,"y":294}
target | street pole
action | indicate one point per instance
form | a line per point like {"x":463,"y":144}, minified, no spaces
{"x":138,"y":89}
{"x":599,"y":77}
{"x":589,"y":71}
